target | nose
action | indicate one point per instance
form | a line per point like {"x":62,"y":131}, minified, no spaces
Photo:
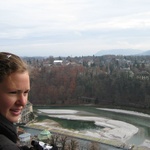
{"x":22,"y":99}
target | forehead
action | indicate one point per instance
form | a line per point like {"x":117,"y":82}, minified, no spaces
{"x":18,"y":81}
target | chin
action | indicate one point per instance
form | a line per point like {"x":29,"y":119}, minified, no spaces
{"x":14,"y":119}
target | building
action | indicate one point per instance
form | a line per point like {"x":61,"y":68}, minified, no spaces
{"x":44,"y":135}
{"x":144,"y":75}
{"x":25,"y":139}
{"x":58,"y":62}
{"x":27,"y":113}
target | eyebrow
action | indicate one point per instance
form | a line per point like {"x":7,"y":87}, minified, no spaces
{"x":19,"y":90}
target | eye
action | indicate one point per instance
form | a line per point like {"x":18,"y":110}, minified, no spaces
{"x":13,"y":92}
{"x":26,"y":92}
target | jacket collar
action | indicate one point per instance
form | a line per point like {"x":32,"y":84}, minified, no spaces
{"x":8,"y":129}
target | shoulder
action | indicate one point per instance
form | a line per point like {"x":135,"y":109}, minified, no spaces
{"x":6,"y":144}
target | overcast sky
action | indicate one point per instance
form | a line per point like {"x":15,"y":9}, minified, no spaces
{"x":73,"y":27}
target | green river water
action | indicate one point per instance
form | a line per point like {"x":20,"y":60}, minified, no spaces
{"x":143,"y":123}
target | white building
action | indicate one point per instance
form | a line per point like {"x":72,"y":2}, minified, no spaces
{"x":58,"y":62}
{"x":25,"y":139}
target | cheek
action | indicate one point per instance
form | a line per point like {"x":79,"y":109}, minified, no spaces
{"x":6,"y":102}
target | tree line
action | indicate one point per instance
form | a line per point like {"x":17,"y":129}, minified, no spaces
{"x":83,"y":84}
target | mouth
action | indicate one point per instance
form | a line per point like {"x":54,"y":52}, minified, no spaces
{"x":16,"y":112}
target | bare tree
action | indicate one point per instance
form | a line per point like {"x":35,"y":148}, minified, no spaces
{"x":62,"y":141}
{"x":94,"y":146}
{"x":54,"y":139}
{"x":73,"y":145}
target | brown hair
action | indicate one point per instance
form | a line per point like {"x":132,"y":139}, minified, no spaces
{"x":10,"y":63}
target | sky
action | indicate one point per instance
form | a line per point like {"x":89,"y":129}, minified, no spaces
{"x":73,"y":27}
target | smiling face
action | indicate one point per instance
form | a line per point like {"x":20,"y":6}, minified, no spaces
{"x":13,"y":95}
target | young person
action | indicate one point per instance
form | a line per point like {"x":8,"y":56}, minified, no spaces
{"x":14,"y":89}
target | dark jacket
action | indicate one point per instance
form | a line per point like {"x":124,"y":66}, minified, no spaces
{"x":8,"y":135}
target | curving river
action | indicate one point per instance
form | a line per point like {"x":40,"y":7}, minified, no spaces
{"x":140,"y":121}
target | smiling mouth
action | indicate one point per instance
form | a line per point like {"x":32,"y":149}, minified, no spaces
{"x":16,"y":112}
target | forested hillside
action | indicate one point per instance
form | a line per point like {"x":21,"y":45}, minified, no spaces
{"x":113,"y":80}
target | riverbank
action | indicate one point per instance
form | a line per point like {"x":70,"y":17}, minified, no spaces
{"x":114,"y":132}
{"x":55,"y":128}
{"x":112,"y":129}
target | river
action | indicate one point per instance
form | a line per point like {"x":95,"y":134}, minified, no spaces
{"x":143,"y":123}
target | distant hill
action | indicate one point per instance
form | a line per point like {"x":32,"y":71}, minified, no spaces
{"x":145,"y":53}
{"x":119,"y":52}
